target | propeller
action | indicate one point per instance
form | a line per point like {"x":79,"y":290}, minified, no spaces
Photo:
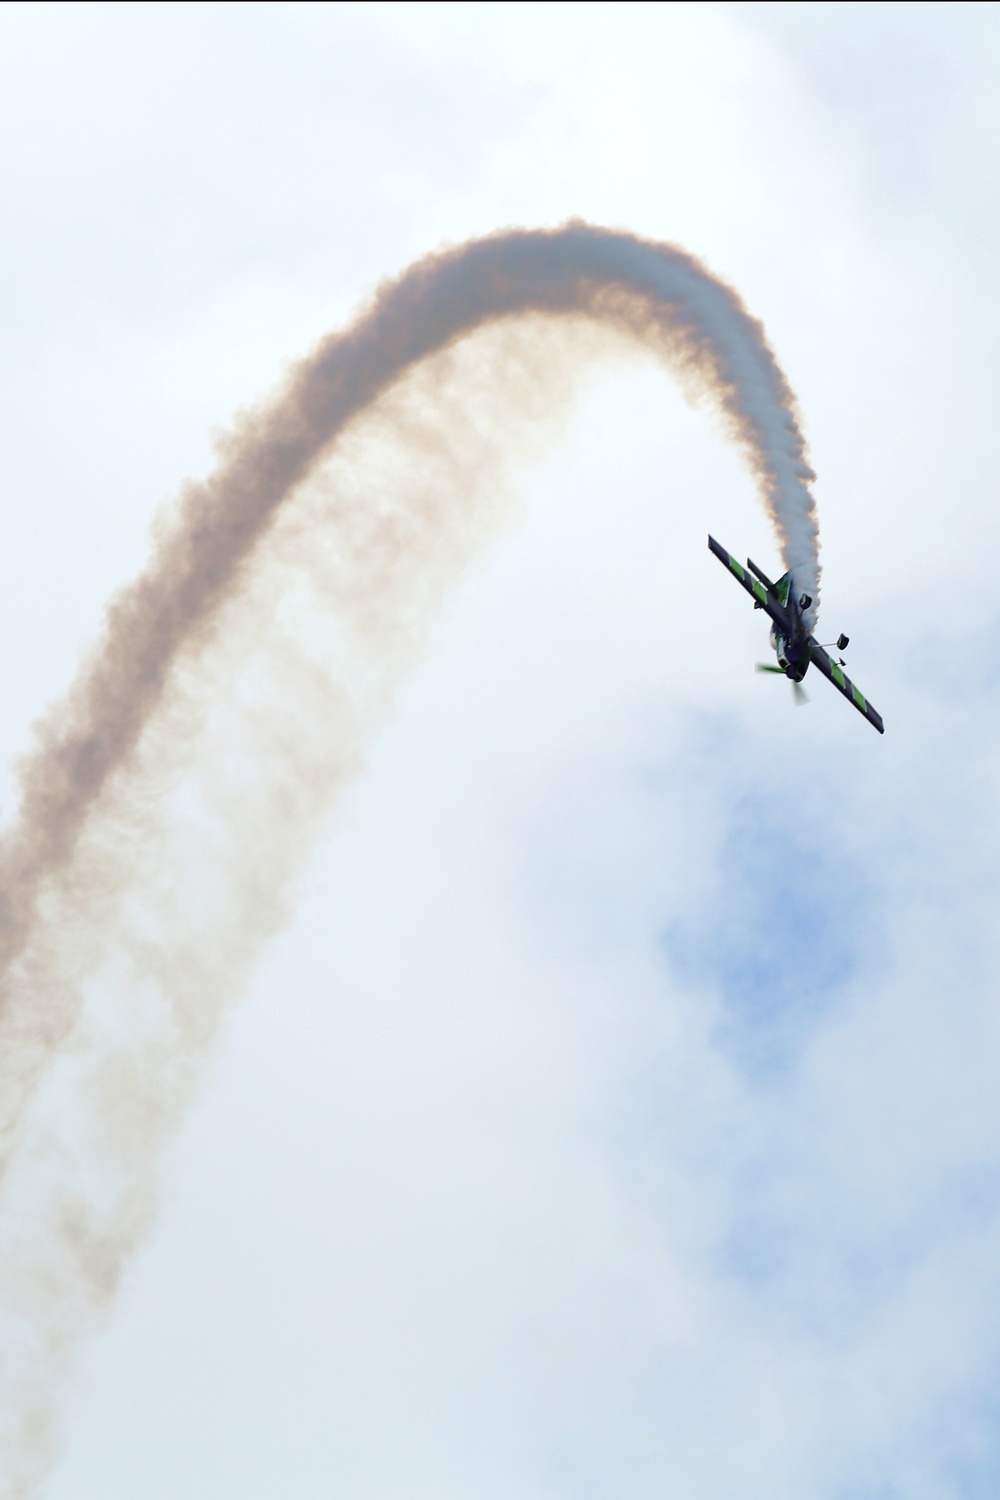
{"x":798,"y":691}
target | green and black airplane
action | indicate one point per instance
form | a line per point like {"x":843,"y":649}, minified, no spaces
{"x":794,"y":647}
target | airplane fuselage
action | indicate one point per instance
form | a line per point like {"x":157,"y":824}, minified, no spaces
{"x":790,"y":640}
{"x":792,"y":650}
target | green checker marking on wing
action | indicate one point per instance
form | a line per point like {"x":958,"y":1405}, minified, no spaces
{"x":840,"y":679}
{"x":741,"y":575}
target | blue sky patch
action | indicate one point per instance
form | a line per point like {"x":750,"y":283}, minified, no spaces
{"x":779,"y":934}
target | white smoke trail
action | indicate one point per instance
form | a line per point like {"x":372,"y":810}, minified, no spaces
{"x":169,"y":801}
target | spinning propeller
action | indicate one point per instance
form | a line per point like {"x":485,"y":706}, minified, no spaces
{"x":798,"y":691}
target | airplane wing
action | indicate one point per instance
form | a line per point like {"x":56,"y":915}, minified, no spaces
{"x":843,"y":684}
{"x":763,"y":598}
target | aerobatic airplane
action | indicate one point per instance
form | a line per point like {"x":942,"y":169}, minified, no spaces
{"x":794,"y":647}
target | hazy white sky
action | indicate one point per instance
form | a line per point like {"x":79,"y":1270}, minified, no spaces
{"x":617,"y":1115}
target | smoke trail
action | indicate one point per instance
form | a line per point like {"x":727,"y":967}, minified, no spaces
{"x":372,"y":478}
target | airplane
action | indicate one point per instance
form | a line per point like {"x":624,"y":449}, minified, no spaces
{"x":793,"y":645}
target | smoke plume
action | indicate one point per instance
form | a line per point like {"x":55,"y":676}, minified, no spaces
{"x":168,"y":800}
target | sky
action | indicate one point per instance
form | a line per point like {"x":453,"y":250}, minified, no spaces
{"x":615,"y":1114}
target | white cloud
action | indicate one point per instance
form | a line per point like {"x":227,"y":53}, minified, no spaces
{"x":482,"y":1197}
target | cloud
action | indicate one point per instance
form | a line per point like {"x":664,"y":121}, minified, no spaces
{"x":485,"y":1198}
